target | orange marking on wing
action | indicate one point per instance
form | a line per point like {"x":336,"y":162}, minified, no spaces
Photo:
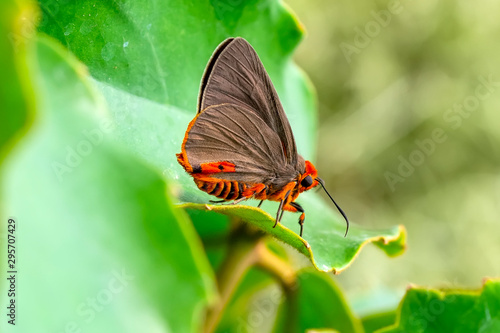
{"x":182,"y":156}
{"x":204,"y":178}
{"x":216,"y":167}
{"x":182,"y":159}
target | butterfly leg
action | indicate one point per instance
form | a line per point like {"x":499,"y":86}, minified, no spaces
{"x":235,"y":202}
{"x":260,"y":203}
{"x":279,"y":213}
{"x":298,"y":208}
{"x":282,"y":211}
{"x":216,"y":201}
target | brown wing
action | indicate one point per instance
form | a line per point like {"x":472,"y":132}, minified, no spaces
{"x":234,"y":134}
{"x":236,"y":75}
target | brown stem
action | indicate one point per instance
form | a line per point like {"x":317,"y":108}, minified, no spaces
{"x":287,"y":277}
{"x":277,"y":267}
{"x":247,"y":249}
{"x":242,"y":254}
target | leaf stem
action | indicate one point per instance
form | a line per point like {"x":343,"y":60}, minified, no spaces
{"x":277,"y":267}
{"x":246,"y":249}
{"x":287,"y":277}
{"x":242,"y":254}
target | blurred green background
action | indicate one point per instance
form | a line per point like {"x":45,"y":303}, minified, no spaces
{"x":387,"y":75}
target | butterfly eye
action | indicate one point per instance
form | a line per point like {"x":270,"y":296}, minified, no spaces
{"x":306,"y":182}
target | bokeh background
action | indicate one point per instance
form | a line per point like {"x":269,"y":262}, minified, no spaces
{"x":389,"y":74}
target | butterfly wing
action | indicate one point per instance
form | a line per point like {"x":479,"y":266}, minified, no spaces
{"x":236,"y":75}
{"x":232,"y":136}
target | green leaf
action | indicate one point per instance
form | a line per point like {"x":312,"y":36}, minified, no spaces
{"x":320,"y":304}
{"x":374,"y":322}
{"x":253,"y":304}
{"x":147,"y":59}
{"x":215,"y":234}
{"x":432,"y":310}
{"x":16,"y":26}
{"x":158,"y":50}
{"x":323,"y":240}
{"x":101,"y":246}
{"x":316,"y":304}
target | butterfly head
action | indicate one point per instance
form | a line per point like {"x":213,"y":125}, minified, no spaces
{"x":310,"y":179}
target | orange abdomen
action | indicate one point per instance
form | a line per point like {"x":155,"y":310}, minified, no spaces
{"x":231,"y":190}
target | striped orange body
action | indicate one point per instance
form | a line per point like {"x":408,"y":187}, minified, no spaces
{"x":229,"y":190}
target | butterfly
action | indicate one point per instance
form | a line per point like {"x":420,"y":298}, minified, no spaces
{"x":240,"y":144}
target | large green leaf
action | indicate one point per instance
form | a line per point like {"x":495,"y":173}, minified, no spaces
{"x":323,"y":240}
{"x":253,"y":305}
{"x":432,"y":310}
{"x":316,"y":304}
{"x":147,"y":59}
{"x":320,"y":304}
{"x":101,"y":246}
{"x":374,"y":322}
{"x":16,"y":27}
{"x":158,"y":50}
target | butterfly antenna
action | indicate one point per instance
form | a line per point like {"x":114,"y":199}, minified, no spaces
{"x":322,"y":182}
